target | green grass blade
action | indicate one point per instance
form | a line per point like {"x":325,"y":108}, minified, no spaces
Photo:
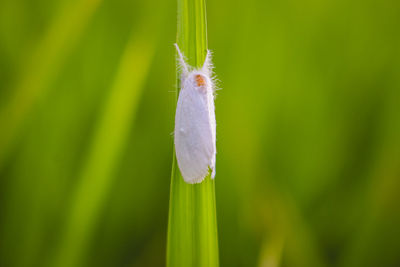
{"x":192,"y":226}
{"x":110,"y":136}
{"x":42,"y":66}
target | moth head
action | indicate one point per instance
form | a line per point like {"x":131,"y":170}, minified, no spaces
{"x":200,"y":82}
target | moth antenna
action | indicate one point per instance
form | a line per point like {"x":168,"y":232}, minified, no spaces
{"x":208,"y":66}
{"x":181,"y":59}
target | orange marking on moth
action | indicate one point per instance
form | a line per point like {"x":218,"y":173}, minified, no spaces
{"x":200,"y":80}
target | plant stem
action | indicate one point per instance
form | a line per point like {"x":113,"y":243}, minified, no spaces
{"x":192,"y":226}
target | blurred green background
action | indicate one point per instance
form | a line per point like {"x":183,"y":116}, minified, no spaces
{"x":308,"y":129}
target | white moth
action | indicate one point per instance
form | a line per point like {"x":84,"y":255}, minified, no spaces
{"x":195,"y":122}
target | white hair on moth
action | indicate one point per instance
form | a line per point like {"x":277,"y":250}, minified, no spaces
{"x":195,"y":126}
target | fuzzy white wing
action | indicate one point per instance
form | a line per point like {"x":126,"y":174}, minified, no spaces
{"x":195,"y":134}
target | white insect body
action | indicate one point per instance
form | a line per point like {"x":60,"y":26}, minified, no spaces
{"x":195,"y":125}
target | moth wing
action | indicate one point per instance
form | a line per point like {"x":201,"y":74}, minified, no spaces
{"x":194,"y":137}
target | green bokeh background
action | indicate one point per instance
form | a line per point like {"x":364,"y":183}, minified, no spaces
{"x":308,"y":131}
